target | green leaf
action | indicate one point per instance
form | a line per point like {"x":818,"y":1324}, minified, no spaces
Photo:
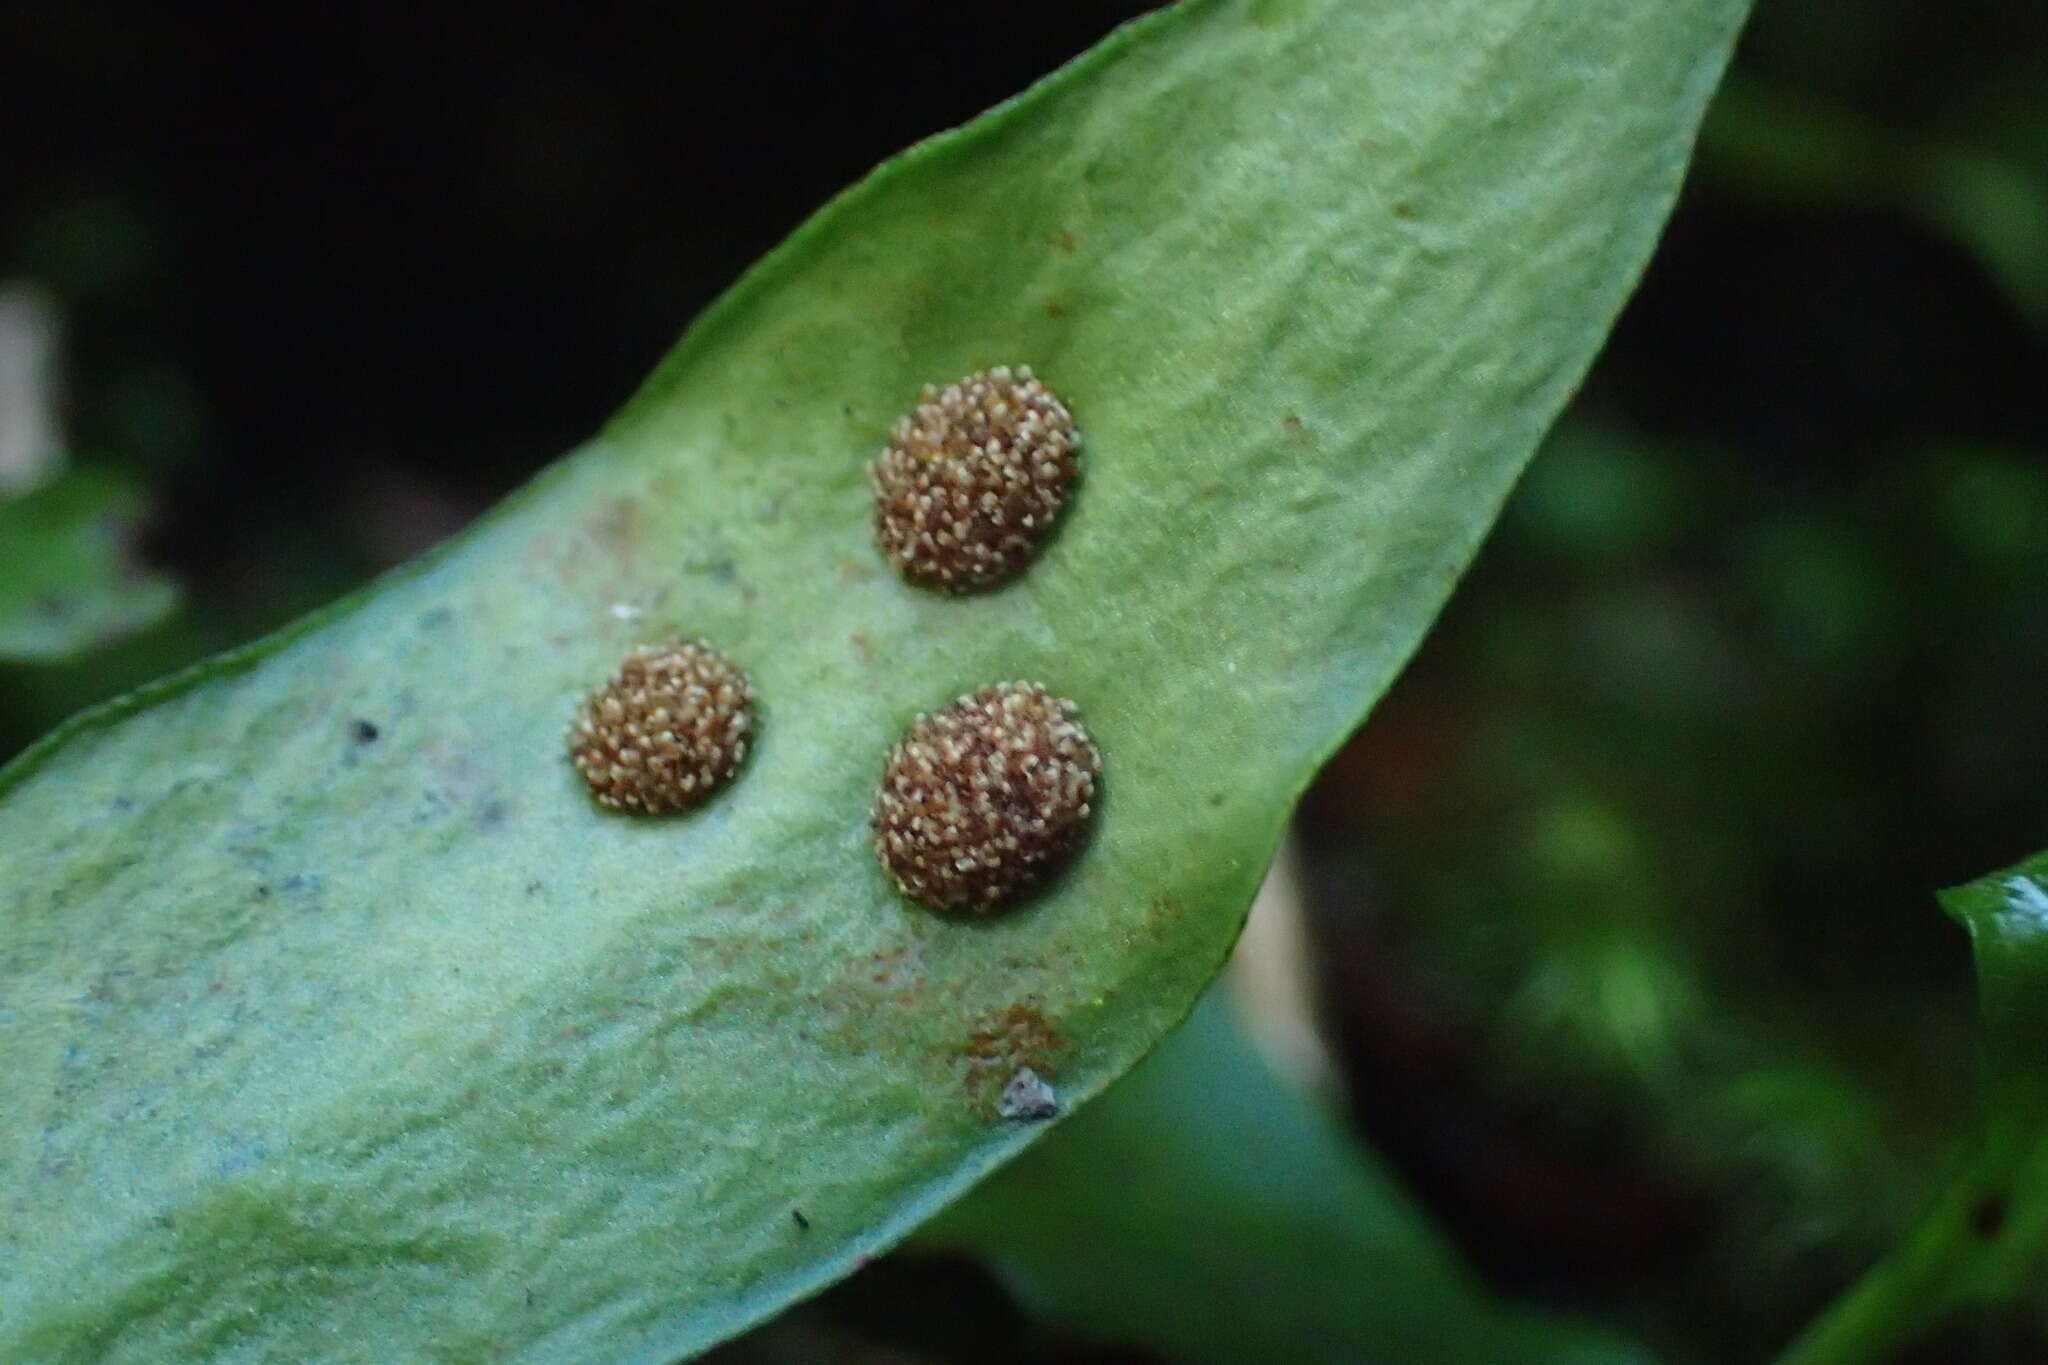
{"x":1205,"y":1211}
{"x":398,"y":1048}
{"x":69,"y":581}
{"x":1984,"y":1240}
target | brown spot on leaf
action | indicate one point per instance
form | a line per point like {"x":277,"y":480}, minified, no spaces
{"x":617,"y":526}
{"x":999,"y":1045}
{"x":1162,"y":915}
{"x":897,"y":972}
{"x":870,"y":1000}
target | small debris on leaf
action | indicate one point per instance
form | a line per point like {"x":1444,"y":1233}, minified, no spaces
{"x":973,"y":479}
{"x":803,"y":1224}
{"x":362,"y":732}
{"x":1028,"y":1096}
{"x":981,"y":800}
{"x":668,"y":730}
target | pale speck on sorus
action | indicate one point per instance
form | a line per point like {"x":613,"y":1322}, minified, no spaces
{"x":982,"y":799}
{"x":668,"y":730}
{"x":973,"y":479}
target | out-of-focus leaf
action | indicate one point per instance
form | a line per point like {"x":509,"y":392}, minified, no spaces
{"x":1796,"y":150}
{"x":341,"y":1025}
{"x":69,"y":578}
{"x":1204,"y":1210}
{"x":1984,"y":1241}
{"x":1629,"y":864}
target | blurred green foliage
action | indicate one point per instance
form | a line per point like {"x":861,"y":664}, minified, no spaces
{"x":1974,"y":1256}
{"x":1661,"y":865}
{"x":1642,"y":849}
{"x":69,"y":582}
{"x":1653,"y":823}
{"x":1205,"y":1209}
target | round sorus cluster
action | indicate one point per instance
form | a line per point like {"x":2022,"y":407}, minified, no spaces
{"x":982,"y":799}
{"x":667,"y":731}
{"x":973,"y":479}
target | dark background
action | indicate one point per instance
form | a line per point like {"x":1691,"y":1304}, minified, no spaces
{"x":1629,"y":953}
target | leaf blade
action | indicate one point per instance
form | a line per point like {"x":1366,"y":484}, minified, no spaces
{"x":407,"y":1036}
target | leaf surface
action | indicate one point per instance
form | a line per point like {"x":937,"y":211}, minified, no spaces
{"x":350,"y":1048}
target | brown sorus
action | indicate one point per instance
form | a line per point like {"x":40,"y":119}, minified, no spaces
{"x":982,"y":799}
{"x":973,"y":480}
{"x":668,"y":730}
